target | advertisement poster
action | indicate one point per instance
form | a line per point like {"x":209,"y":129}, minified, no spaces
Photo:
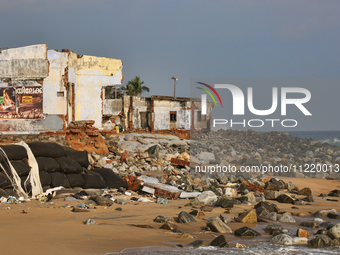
{"x":21,"y":102}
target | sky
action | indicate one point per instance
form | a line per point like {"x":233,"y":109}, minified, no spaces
{"x":157,"y":40}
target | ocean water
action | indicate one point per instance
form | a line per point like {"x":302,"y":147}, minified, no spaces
{"x":260,"y":248}
{"x":332,"y":137}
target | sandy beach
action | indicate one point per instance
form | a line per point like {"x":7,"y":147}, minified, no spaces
{"x":51,"y":227}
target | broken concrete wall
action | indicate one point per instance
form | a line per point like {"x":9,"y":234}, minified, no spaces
{"x":162,"y":109}
{"x":24,"y":63}
{"x":93,"y":73}
{"x":112,"y":106}
{"x":202,"y":124}
{"x":26,"y":67}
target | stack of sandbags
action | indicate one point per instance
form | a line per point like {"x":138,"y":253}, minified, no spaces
{"x":58,"y":166}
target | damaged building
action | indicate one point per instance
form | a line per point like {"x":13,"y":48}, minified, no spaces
{"x":44,"y":91}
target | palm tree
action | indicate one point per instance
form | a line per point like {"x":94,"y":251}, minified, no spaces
{"x":134,"y":87}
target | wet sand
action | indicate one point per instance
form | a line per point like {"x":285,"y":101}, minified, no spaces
{"x":49,"y":229}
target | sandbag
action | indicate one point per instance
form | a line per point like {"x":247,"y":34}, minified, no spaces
{"x":28,"y":187}
{"x":80,"y":156}
{"x":49,"y":165}
{"x":5,"y":182}
{"x":94,"y":180}
{"x":69,"y":166}
{"x":76,"y":180}
{"x":45,"y":179}
{"x":59,"y":179}
{"x":20,"y":167}
{"x":112,"y":180}
{"x":3,"y":193}
{"x":11,"y":192}
{"x":48,"y":150}
{"x":13,"y":152}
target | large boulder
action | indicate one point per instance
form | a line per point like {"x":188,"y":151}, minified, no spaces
{"x":185,"y":217}
{"x":220,"y":241}
{"x":247,"y":217}
{"x":319,"y":241}
{"x":207,"y":197}
{"x":217,"y":225}
{"x":334,"y":232}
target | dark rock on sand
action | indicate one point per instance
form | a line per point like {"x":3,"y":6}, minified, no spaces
{"x":245,"y":231}
{"x":185,"y":217}
{"x":220,"y":241}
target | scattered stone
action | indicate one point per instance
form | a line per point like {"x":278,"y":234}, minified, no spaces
{"x":80,"y":210}
{"x":240,"y":245}
{"x":300,"y":240}
{"x":224,"y":218}
{"x":282,"y":239}
{"x":271,"y":194}
{"x":163,"y":201}
{"x":90,"y":222}
{"x":286,"y":217}
{"x":122,"y":201}
{"x":176,"y":230}
{"x":285,"y":198}
{"x":271,"y":228}
{"x":333,"y":216}
{"x":324,"y":213}
{"x":217,"y":225}
{"x":186,"y":236}
{"x":319,"y":241}
{"x":220,"y":241}
{"x":231,"y":211}
{"x":207,"y":197}
{"x":308,"y":224}
{"x":302,"y":233}
{"x":185,"y":217}
{"x":102,"y":201}
{"x":168,"y":226}
{"x":119,"y":209}
{"x":334,"y":232}
{"x":322,"y":232}
{"x":270,"y":207}
{"x":162,"y":219}
{"x":271,"y":216}
{"x":198,"y":243}
{"x":245,"y":231}
{"x":140,"y":226}
{"x":306,"y":192}
{"x":70,"y":198}
{"x":247,"y":217}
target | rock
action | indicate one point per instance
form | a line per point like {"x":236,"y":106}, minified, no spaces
{"x":261,"y":211}
{"x":285,"y":198}
{"x":162,"y":219}
{"x":308,"y":224}
{"x":271,"y":216}
{"x":206,"y":157}
{"x":334,"y":232}
{"x":231,"y":211}
{"x":70,"y":198}
{"x":322,"y":232}
{"x":168,"y":225}
{"x":333,"y":216}
{"x":319,"y":241}
{"x":324,"y":213}
{"x":103,"y":201}
{"x":230,"y":192}
{"x":198,"y":243}
{"x":309,"y":199}
{"x":247,"y":217}
{"x":186,"y":236}
{"x":119,"y":209}
{"x":217,"y":225}
{"x":185,"y":217}
{"x":327,"y":224}
{"x":176,"y":230}
{"x":90,"y":222}
{"x":122,"y":201}
{"x":207,"y":197}
{"x":271,"y":194}
{"x":287,"y":217}
{"x":240,"y":245}
{"x":220,"y":241}
{"x":196,"y":213}
{"x":300,"y":240}
{"x":224,"y":218}
{"x":282,"y":239}
{"x":302,"y":233}
{"x":306,"y":192}
{"x":334,"y":242}
{"x":245,"y":231}
{"x":270,"y":207}
{"x":271,"y":228}
{"x":271,"y":186}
